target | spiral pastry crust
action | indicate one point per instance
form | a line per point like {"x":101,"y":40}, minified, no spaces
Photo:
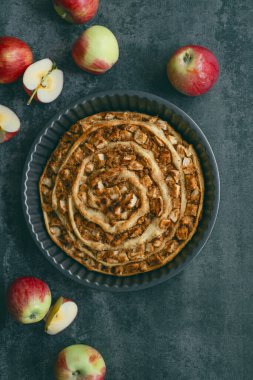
{"x":122,"y":193}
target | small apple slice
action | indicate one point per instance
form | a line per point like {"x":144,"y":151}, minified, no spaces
{"x":43,"y":81}
{"x":9,"y":124}
{"x":60,"y":316}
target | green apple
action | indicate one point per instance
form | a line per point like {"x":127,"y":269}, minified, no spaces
{"x":79,"y":362}
{"x":96,"y":50}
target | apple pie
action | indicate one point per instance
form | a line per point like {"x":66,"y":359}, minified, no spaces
{"x":122,"y":193}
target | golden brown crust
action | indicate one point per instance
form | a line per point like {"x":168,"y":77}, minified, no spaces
{"x":122,"y":193}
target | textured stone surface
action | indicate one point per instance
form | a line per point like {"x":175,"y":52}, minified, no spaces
{"x":199,"y":324}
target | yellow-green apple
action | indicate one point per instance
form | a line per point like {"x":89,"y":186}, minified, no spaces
{"x":80,"y":362}
{"x":76,"y":11}
{"x":15,"y":57}
{"x":9,"y":124}
{"x":193,"y":70}
{"x":60,"y":316}
{"x":28,"y":299}
{"x":43,"y":81}
{"x":96,"y":50}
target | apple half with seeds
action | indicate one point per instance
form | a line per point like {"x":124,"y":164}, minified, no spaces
{"x":60,"y":316}
{"x":43,"y":81}
{"x":9,"y":124}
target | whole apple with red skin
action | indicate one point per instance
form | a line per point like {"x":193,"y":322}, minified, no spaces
{"x":15,"y":57}
{"x":80,"y":362}
{"x":28,"y":299}
{"x":193,"y":70}
{"x":96,"y":50}
{"x":76,"y":11}
{"x":9,"y":124}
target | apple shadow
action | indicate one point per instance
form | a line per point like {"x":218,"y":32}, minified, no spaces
{"x":45,"y":10}
{"x":3,"y":314}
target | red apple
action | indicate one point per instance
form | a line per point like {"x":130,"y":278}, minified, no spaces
{"x":193,"y":70}
{"x":96,"y":50}
{"x":76,"y":11}
{"x":80,"y":362}
{"x":15,"y":57}
{"x":28,"y":299}
{"x":43,"y":81}
{"x":9,"y":124}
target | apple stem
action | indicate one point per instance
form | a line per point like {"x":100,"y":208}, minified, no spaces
{"x":187,"y":58}
{"x":42,"y":83}
{"x":32,"y":96}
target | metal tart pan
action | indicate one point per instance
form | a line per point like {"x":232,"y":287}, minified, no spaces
{"x":48,"y":139}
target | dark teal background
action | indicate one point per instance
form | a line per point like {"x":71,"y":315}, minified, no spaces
{"x":198,"y":325}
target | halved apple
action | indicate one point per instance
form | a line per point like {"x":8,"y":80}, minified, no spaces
{"x":9,"y":124}
{"x":60,"y":316}
{"x":43,"y":81}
